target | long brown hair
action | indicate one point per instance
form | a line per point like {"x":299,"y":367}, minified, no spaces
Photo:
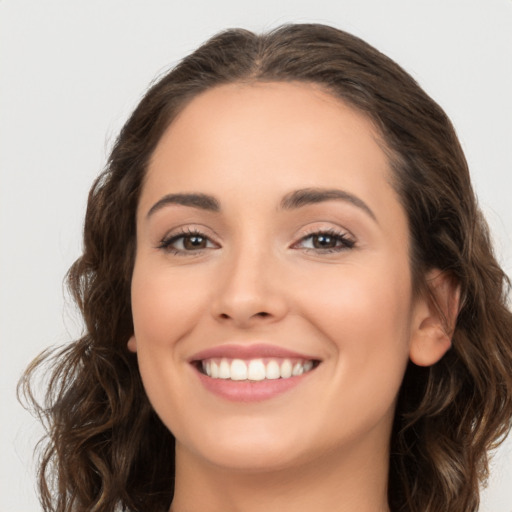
{"x":107,"y":450}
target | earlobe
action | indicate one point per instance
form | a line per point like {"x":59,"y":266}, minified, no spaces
{"x":434,"y":319}
{"x":132,"y":344}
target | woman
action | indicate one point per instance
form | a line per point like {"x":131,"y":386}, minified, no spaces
{"x":290,"y":296}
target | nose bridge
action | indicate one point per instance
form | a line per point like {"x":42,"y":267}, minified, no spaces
{"x":249,"y":288}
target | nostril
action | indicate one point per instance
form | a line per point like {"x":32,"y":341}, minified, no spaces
{"x":261,"y":314}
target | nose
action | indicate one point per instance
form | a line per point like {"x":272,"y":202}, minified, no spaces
{"x":250,"y":291}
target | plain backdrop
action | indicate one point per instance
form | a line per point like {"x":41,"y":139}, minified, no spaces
{"x":70,"y":73}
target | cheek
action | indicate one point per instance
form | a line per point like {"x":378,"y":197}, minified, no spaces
{"x":165,"y":308}
{"x":360,"y":299}
{"x":365,"y":314}
{"x":165,"y":305}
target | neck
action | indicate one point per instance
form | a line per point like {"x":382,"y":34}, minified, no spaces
{"x":334,"y":482}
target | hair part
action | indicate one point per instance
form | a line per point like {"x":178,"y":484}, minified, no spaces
{"x":107,"y":449}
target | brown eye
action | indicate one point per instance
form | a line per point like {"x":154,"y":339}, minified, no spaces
{"x":184,"y":243}
{"x":324,"y":241}
{"x":192,"y":242}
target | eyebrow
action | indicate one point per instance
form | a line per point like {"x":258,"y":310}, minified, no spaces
{"x":307,"y":196}
{"x":202,"y":201}
{"x":291,"y":201}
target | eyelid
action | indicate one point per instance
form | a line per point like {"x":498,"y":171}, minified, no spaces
{"x":348,"y":241}
{"x":343,"y":235}
{"x":182,"y":232}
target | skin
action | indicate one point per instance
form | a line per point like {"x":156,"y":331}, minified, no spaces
{"x":261,"y":279}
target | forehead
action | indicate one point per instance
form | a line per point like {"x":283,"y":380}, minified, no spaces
{"x":287,"y":135}
{"x":288,"y":111}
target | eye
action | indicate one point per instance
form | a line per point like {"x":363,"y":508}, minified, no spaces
{"x":189,"y":241}
{"x":326,"y":241}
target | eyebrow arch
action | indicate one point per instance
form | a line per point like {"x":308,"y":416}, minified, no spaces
{"x":307,"y":196}
{"x":202,"y":201}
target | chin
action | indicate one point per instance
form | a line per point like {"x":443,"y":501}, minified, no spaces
{"x":249,"y":449}
{"x":254,"y":459}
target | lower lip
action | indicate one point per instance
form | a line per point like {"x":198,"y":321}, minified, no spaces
{"x":250,"y":391}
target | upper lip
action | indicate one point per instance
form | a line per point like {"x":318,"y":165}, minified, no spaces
{"x":233,"y":351}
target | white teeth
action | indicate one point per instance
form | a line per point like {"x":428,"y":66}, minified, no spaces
{"x":214,"y":370}
{"x":238,"y":370}
{"x":224,"y":370}
{"x":272,"y":370}
{"x":255,"y":369}
{"x":298,"y":369}
{"x":286,"y":369}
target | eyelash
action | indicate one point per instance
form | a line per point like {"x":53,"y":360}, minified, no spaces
{"x":342,"y":240}
{"x":167,"y":243}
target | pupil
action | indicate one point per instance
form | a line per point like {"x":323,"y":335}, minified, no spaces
{"x":194,"y":242}
{"x":323,"y":241}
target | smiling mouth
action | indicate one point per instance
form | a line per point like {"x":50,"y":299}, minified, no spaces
{"x":255,"y":369}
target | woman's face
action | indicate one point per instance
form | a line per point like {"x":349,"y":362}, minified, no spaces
{"x":271,"y":294}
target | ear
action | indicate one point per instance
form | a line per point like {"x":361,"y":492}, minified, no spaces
{"x":434,"y":319}
{"x":132,"y":344}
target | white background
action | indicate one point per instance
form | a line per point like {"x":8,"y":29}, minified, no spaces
{"x":71,"y":71}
